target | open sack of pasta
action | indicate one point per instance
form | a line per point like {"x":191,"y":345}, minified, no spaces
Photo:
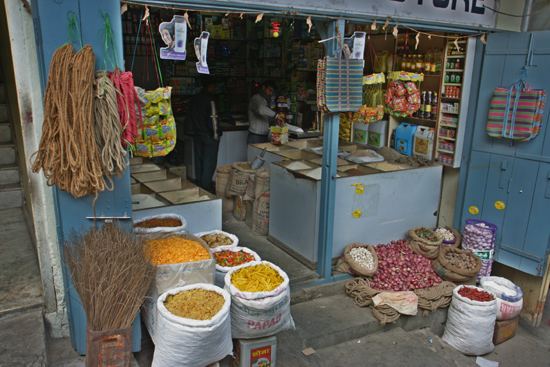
{"x":181,"y":259}
{"x":260,"y":300}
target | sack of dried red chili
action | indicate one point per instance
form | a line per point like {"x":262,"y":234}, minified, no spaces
{"x":161,"y":223}
{"x":231,"y":258}
{"x":471,"y":320}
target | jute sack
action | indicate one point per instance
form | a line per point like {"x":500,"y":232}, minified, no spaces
{"x":355,"y":265}
{"x":222,"y":179}
{"x":262,"y":182}
{"x":240,"y":171}
{"x":423,"y":247}
{"x":260,"y":220}
{"x":448,"y":271}
{"x":250,"y":193}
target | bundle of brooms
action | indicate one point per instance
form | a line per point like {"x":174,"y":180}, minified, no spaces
{"x":112,"y":275}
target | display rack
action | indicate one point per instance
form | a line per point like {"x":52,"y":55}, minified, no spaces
{"x":457,"y":70}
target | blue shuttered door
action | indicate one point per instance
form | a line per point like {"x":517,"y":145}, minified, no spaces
{"x":507,"y":182}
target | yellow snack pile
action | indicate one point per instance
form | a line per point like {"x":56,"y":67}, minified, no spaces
{"x":175,"y":250}
{"x":197,"y":304}
{"x":257,"y":278}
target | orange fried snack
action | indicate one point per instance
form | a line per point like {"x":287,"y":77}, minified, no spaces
{"x":175,"y":250}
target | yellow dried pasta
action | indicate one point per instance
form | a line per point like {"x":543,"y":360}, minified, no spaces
{"x":257,"y":278}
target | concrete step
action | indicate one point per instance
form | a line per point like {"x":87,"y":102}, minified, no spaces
{"x":11,"y":196}
{"x":9,"y":174}
{"x":4,"y":116}
{"x":23,"y":339}
{"x":5,"y":133}
{"x":7,"y":153}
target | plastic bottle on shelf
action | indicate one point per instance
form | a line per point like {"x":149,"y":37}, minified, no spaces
{"x":428,"y":106}
{"x":428,"y":62}
{"x":438,"y":61}
{"x":446,"y":77}
{"x":452,"y":64}
{"x":457,"y":78}
{"x":422,"y":105}
{"x":452,"y":78}
{"x":408,"y":63}
{"x":433,"y":63}
{"x":457,"y":64}
{"x":434,"y":106}
{"x":413,"y":64}
{"x":419,"y":63}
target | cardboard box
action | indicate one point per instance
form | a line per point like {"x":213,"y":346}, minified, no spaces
{"x":505,"y":330}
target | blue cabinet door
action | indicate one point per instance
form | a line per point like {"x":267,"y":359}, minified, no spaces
{"x":508,"y":182}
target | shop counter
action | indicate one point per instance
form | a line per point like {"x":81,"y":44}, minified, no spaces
{"x":377,"y":206}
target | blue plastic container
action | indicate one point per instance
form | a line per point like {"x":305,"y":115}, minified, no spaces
{"x":404,"y":138}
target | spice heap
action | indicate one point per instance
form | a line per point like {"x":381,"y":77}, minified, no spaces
{"x":232,"y":258}
{"x":400,"y":269}
{"x":475,"y":294}
{"x":216,"y":240}
{"x":175,"y":250}
{"x":257,"y":278}
{"x":197,"y":304}
{"x":158,"y":222}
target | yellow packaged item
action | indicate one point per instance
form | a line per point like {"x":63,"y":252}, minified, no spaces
{"x":158,"y":149}
{"x":152,"y":133}
{"x":143,"y":148}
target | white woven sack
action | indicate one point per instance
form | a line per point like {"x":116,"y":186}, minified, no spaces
{"x":470,"y":324}
{"x":259,"y":314}
{"x":183,"y":342}
{"x":222,"y":270}
{"x":509,"y":296}
{"x":180,"y":229}
{"x":232,"y":236}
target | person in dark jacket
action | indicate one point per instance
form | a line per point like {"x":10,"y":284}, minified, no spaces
{"x":202,"y":123}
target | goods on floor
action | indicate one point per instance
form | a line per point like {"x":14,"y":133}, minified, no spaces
{"x":425,"y":242}
{"x":161,"y":223}
{"x":218,"y":239}
{"x":196,"y":304}
{"x":456,"y":265}
{"x":185,"y":342}
{"x":255,"y":352}
{"x":361,"y":258}
{"x":240,"y":171}
{"x":509,"y":296}
{"x":231,"y":258}
{"x":505,"y":330}
{"x":470,"y":322}
{"x":449,"y":235}
{"x":377,"y":134}
{"x":196,"y":265}
{"x":259,"y":313}
{"x":479,"y":237}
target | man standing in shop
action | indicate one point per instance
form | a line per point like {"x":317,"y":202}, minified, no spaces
{"x":202,"y":123}
{"x":260,"y":115}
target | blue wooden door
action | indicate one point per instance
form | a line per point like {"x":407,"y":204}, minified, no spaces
{"x":507,"y":182}
{"x":51,"y":20}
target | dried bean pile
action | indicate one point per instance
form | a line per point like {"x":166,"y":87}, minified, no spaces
{"x":461,"y":260}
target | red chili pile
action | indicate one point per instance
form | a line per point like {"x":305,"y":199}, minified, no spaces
{"x":158,"y":222}
{"x":475,"y":294}
{"x":231,"y":258}
{"x":400,"y":269}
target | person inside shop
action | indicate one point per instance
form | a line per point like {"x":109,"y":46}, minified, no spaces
{"x":260,"y":115}
{"x":203,"y":125}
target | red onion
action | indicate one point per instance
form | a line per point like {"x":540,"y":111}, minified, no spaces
{"x":400,"y":269}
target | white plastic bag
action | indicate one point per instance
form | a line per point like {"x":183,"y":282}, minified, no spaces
{"x":171,"y":276}
{"x":186,"y":342}
{"x":217,"y":231}
{"x":179,"y":229}
{"x":259,"y":314}
{"x":364,"y":156}
{"x":509,"y":296}
{"x":470,"y":324}
{"x":221,"y":271}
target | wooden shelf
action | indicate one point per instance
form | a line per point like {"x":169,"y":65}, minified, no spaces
{"x":446,"y":138}
{"x":445,"y":151}
{"x":448,"y":125}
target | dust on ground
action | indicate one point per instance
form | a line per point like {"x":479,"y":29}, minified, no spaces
{"x":392,"y":155}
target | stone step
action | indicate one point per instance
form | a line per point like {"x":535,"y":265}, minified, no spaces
{"x":9,"y":174}
{"x":5,"y":133}
{"x":7,"y":153}
{"x":11,"y":196}
{"x":23,"y":339}
{"x":4,"y":116}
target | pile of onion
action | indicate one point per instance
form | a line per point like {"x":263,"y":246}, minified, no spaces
{"x":400,"y":269}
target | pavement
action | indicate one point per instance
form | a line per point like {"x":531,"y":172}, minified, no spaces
{"x":329,"y":325}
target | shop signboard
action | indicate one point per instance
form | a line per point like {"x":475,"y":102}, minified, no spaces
{"x":469,"y":13}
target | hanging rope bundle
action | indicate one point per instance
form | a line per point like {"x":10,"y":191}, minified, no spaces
{"x":108,"y":129}
{"x":127,"y":100}
{"x":67,"y":153}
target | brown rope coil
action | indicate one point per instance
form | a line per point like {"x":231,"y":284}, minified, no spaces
{"x":67,"y":152}
{"x":108,"y":130}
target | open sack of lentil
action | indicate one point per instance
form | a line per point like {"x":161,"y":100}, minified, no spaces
{"x":509,"y":296}
{"x":218,"y":239}
{"x":260,"y":300}
{"x":180,"y":260}
{"x":231,"y":258}
{"x":194,"y":326}
{"x":423,"y":241}
{"x":161,"y":223}
{"x":471,"y":320}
